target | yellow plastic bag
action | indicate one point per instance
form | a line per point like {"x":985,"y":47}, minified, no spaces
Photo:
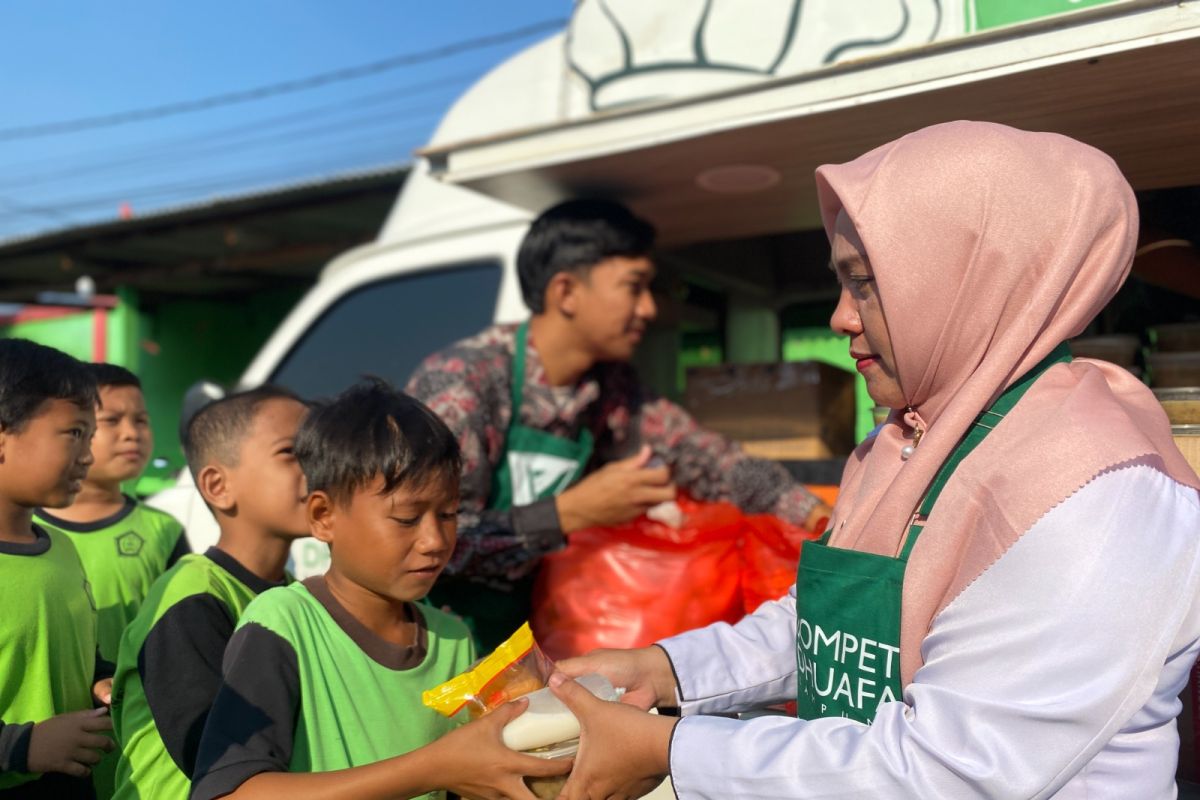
{"x":515,"y":668}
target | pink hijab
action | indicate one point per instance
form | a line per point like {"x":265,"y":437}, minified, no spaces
{"x":990,"y":246}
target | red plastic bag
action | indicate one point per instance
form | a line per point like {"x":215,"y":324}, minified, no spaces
{"x":770,"y":556}
{"x":632,"y":584}
{"x":771,"y":552}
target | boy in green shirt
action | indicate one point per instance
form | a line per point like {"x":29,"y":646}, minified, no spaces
{"x":48,"y":628}
{"x":125,"y":545}
{"x":240,"y":451}
{"x":323,"y":679}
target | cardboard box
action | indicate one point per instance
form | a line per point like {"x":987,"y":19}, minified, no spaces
{"x":793,"y":410}
{"x":799,"y":448}
{"x":1187,"y":439}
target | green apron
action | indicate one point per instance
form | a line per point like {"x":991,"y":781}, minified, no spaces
{"x":848,"y":603}
{"x":535,"y":465}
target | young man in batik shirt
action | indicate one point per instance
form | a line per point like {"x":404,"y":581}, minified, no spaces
{"x":557,"y":433}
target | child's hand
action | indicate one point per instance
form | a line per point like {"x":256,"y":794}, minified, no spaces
{"x":70,"y":743}
{"x":102,"y":691}
{"x":473,"y":761}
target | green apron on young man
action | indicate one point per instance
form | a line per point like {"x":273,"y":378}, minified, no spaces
{"x":848,"y":603}
{"x":535,"y":465}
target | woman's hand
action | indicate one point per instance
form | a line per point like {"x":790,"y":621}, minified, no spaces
{"x":645,"y":674}
{"x":623,"y":752}
{"x":473,"y":761}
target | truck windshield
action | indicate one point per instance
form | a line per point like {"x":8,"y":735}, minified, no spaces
{"x":387,"y":327}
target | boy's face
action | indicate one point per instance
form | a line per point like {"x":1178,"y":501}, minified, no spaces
{"x":45,"y":463}
{"x":123,"y":440}
{"x":267,"y":483}
{"x":394,"y":545}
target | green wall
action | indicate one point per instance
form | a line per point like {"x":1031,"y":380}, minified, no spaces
{"x":71,"y":334}
{"x":184,"y":341}
{"x":170,"y":346}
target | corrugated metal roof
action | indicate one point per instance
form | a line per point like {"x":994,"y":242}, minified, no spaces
{"x":236,"y":243}
{"x":248,"y":198}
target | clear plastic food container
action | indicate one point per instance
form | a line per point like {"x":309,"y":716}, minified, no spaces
{"x":548,"y":788}
{"x":548,"y":729}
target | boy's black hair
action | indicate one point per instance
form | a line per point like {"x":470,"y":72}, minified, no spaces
{"x":31,"y":374}
{"x":372,"y":429}
{"x":112,"y":375}
{"x":214,"y":433}
{"x":573,"y":236}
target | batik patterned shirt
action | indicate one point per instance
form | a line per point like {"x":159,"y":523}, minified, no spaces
{"x":468,"y":385}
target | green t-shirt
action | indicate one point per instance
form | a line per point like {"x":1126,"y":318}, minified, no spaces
{"x":308,"y":688}
{"x":169,"y":670}
{"x":123,"y":555}
{"x":47,"y":634}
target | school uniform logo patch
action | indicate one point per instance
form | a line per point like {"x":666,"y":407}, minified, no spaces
{"x":129,"y":544}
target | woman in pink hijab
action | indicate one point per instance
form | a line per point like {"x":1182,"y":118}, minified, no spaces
{"x":1007,"y":603}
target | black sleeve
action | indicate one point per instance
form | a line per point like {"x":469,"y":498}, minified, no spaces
{"x":14,"y":746}
{"x":180,"y":668}
{"x":103,"y":669}
{"x":538,"y":526}
{"x":52,"y":786}
{"x":182,"y":548}
{"x":253,"y":720}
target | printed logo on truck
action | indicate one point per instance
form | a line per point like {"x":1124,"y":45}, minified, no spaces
{"x":630,"y":51}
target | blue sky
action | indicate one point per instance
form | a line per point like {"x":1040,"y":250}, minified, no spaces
{"x":68,"y":62}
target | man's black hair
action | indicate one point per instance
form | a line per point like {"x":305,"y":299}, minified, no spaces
{"x":113,"y":376}
{"x":31,"y":374}
{"x":372,"y":429}
{"x":215,"y":432}
{"x":574,"y":236}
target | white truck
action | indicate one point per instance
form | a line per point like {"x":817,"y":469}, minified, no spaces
{"x":709,"y":117}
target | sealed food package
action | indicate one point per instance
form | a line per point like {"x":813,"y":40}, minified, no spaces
{"x":547,"y":721}
{"x":515,"y":668}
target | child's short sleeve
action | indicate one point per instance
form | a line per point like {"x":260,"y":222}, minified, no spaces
{"x":251,"y":726}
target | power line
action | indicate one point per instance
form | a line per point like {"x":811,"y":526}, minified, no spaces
{"x":27,"y":210}
{"x":221,"y":148}
{"x":225,"y":182}
{"x":133,"y":154}
{"x":275,"y":89}
{"x":354,"y":153}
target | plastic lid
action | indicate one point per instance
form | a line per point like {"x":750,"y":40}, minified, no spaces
{"x":560,"y":750}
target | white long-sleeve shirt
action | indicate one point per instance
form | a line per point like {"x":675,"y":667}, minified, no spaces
{"x":1055,"y":674}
